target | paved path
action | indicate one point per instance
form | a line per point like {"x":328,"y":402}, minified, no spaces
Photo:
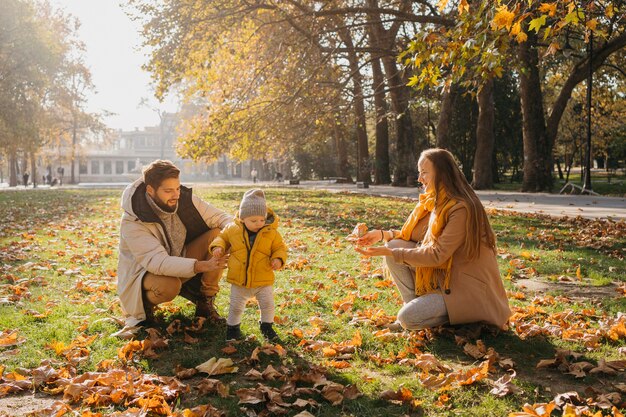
{"x":591,"y":207}
{"x":557,"y":205}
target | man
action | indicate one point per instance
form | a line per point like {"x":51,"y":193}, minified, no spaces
{"x":164,"y":239}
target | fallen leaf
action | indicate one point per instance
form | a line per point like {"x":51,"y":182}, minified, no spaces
{"x":216,"y":366}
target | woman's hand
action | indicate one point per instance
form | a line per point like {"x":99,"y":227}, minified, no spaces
{"x":369,"y":238}
{"x":375,"y":251}
{"x":217,"y":252}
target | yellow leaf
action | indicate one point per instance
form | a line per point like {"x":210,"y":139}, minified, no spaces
{"x":442,"y":4}
{"x":517,"y":28}
{"x":463,"y":6}
{"x":549,"y":8}
{"x":216,"y":366}
{"x":521,"y":37}
{"x":537,"y":23}
{"x":579,"y":274}
{"x":503,"y":18}
{"x":609,"y":11}
{"x":547,"y":33}
{"x":591,"y":24}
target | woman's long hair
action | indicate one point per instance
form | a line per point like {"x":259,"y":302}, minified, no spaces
{"x":448,"y":175}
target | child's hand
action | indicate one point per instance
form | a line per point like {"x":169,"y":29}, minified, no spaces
{"x":276,"y":264}
{"x":218,"y":252}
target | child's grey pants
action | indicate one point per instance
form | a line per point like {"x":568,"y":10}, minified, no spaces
{"x":239,"y":296}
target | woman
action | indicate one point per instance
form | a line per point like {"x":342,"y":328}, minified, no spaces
{"x":443,"y":261}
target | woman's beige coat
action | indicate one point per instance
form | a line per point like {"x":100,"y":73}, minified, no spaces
{"x":476,"y":292}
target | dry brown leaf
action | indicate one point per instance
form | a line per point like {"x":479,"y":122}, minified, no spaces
{"x":503,"y":386}
{"x":535,"y":410}
{"x":546,"y":363}
{"x":216,"y":366}
{"x":229,"y":350}
{"x":603,"y":368}
{"x":333,"y":393}
{"x":271,"y":374}
{"x":184,"y":373}
{"x":212,"y":386}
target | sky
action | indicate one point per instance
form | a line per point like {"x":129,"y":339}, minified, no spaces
{"x":112,"y":54}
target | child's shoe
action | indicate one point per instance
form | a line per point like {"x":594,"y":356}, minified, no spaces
{"x":268,"y":332}
{"x":233,"y":332}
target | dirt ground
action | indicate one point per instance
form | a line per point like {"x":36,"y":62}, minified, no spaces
{"x":570,"y":289}
{"x":25,"y":404}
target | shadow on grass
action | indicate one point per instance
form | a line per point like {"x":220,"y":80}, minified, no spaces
{"x":211,"y":341}
{"x":538,"y":385}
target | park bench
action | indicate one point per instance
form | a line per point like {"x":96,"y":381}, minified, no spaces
{"x":338,"y":180}
{"x":574,"y":187}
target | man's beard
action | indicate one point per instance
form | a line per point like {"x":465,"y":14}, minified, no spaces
{"x":164,"y":206}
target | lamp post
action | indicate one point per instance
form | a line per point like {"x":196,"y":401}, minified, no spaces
{"x":587,"y":180}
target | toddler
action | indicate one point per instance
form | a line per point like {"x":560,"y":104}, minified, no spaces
{"x":256,"y":251}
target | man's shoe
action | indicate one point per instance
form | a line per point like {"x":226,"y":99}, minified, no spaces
{"x":148,"y":308}
{"x":234,"y":332}
{"x":268,"y":332}
{"x":205,"y":307}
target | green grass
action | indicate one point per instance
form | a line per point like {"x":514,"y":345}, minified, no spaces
{"x":58,"y":252}
{"x":602,"y":182}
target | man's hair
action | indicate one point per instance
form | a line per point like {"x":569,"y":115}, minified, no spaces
{"x":158,"y":171}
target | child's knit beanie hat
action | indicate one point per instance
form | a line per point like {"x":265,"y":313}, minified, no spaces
{"x":253,"y":204}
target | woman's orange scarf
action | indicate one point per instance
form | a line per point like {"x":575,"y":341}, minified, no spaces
{"x":425,"y":277}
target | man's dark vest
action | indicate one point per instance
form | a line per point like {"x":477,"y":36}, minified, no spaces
{"x":188,"y":213}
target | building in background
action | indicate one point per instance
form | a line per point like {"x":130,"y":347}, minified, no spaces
{"x":122,"y":156}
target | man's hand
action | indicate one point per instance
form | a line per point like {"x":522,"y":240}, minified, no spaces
{"x":276,"y":264}
{"x":213,"y":264}
{"x":375,"y":251}
{"x":218,"y":252}
{"x":369,"y":238}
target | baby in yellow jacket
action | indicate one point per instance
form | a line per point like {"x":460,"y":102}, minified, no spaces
{"x":256,"y":251}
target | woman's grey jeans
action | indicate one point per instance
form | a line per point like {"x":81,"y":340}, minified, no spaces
{"x":421,"y":312}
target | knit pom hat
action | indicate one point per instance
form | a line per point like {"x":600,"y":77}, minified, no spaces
{"x":253,"y":204}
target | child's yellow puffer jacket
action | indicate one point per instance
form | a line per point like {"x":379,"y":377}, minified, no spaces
{"x":250,"y":266}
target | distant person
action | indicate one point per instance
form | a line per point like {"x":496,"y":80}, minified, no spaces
{"x":25,"y":177}
{"x":61,"y":172}
{"x":256,"y":251}
{"x":278,"y":177}
{"x":254,"y":174}
{"x":49,"y":178}
{"x":164,"y":240}
{"x":443,"y":260}
{"x":54,"y":182}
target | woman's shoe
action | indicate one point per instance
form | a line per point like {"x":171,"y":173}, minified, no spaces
{"x":395,"y":327}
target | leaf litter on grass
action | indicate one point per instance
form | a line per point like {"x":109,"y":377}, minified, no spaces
{"x":334,"y":311}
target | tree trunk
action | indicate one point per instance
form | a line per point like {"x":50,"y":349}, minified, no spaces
{"x":537,"y":147}
{"x":74,"y":140}
{"x":342,"y":154}
{"x":33,"y":169}
{"x":483,"y":158}
{"x":405,"y":172}
{"x":445,"y":118}
{"x":382,"y":174}
{"x":363,"y":171}
{"x":12,"y":169}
